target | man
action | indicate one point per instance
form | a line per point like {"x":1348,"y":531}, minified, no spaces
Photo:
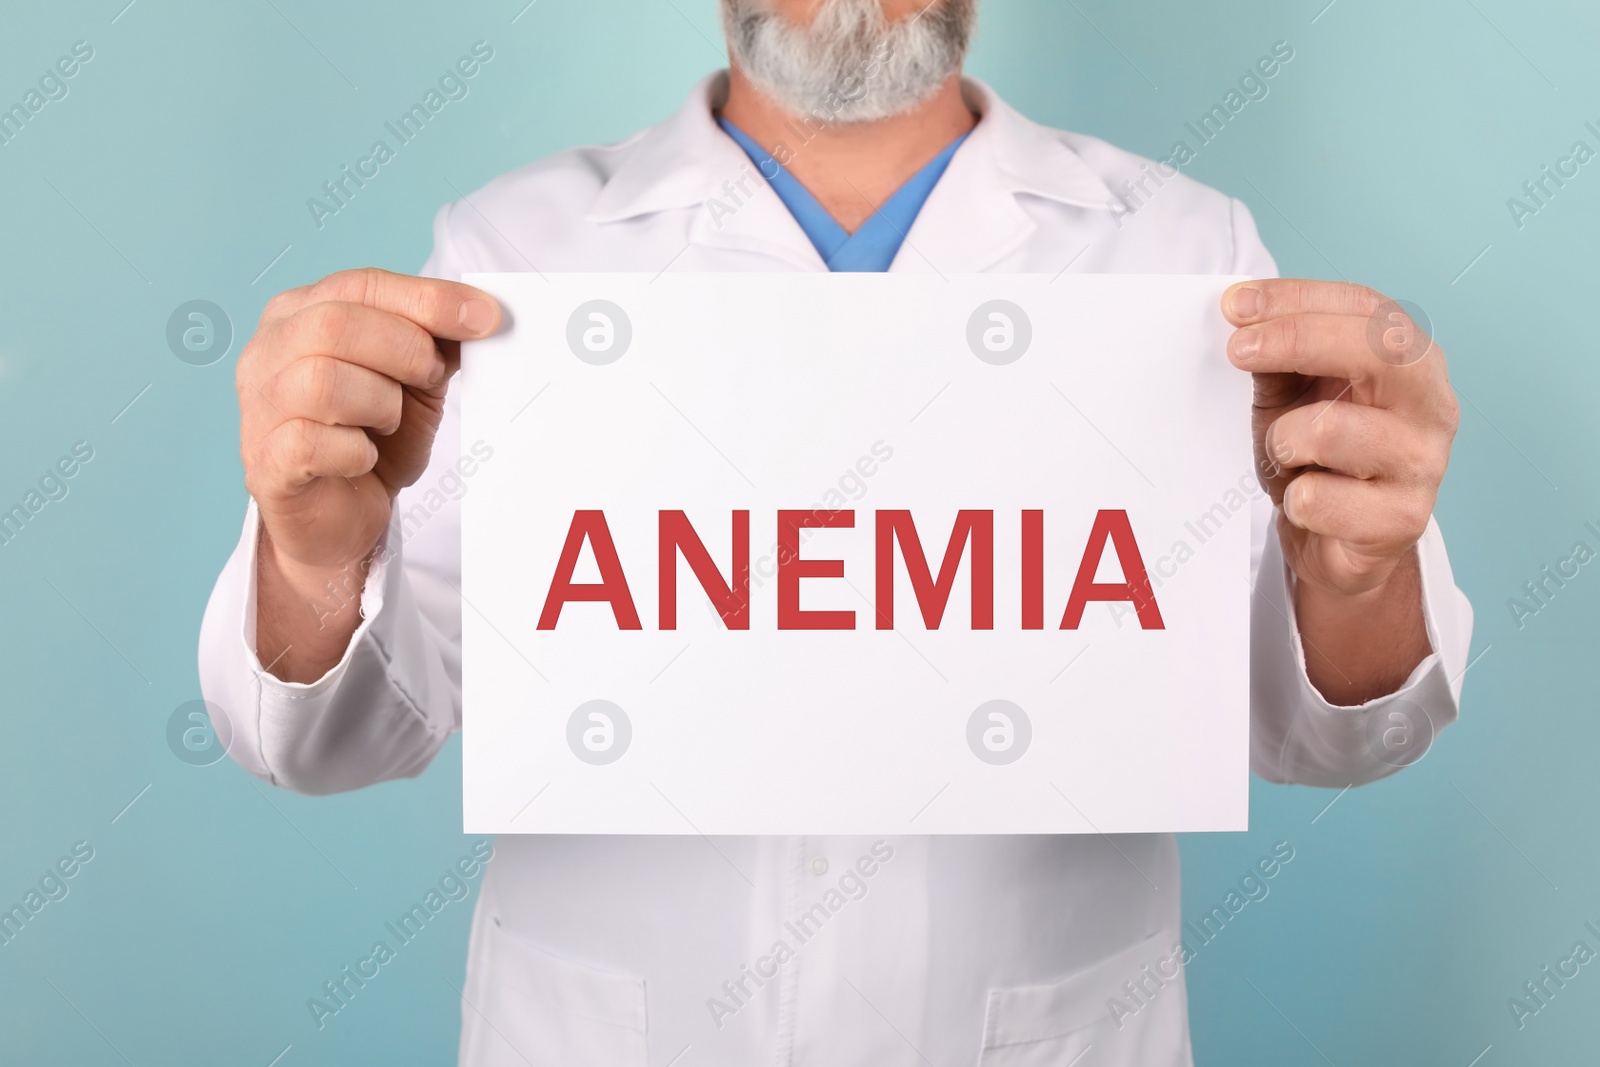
{"x":335,"y":649}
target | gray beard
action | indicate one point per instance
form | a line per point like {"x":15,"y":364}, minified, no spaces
{"x":849,"y":65}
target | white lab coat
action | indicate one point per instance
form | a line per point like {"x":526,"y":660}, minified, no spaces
{"x":617,"y":951}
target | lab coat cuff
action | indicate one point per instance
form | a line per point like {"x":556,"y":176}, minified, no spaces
{"x":1358,"y":743}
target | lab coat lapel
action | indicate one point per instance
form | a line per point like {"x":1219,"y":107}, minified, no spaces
{"x":968,"y":223}
{"x":972,"y":220}
{"x":689,"y":162}
{"x":750,"y":217}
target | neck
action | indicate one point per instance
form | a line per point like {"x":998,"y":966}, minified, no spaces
{"x":851,"y":168}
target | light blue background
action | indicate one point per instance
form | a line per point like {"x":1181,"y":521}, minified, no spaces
{"x":178,"y":168}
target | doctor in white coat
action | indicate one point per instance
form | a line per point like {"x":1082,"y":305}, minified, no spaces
{"x":332,"y":639}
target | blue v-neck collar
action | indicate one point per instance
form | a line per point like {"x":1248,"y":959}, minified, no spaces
{"x":873,"y":246}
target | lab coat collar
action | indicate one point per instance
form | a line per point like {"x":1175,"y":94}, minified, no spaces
{"x":970,"y":221}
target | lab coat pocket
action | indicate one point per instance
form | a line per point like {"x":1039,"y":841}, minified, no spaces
{"x":528,"y":1005}
{"x":1091,"y":1019}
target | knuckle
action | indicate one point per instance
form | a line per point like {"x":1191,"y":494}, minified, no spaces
{"x":256,"y":349}
{"x":256,"y":467}
{"x":1300,"y":499}
{"x":1414,"y":459}
{"x":1280,"y":442}
{"x":324,"y":325}
{"x":1288,"y":337}
{"x":1271,"y":440}
{"x":419,"y":350}
{"x":1297,"y":292}
{"x":351,"y":284}
{"x":370,"y":280}
{"x":316,"y":382}
{"x":418,"y":296}
{"x":282,"y":304}
{"x":1434,"y":465}
{"x":366,"y":283}
{"x":1366,"y":300}
{"x":1277,"y":295}
{"x":1414,"y":516}
{"x":1414,"y":463}
{"x":1324,"y":426}
{"x":247,"y":374}
{"x":1450,"y":413}
{"x":392,"y":405}
{"x":243,"y":372}
{"x":296,"y":452}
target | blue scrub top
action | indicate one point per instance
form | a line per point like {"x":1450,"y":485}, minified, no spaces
{"x":873,"y":246}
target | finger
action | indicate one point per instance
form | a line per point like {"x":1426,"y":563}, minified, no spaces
{"x":1273,"y":391}
{"x":1323,"y":346}
{"x":1355,"y":511}
{"x":300,"y":451}
{"x":338,"y":393}
{"x":393,"y":346}
{"x":403,"y":457}
{"x":1353,"y":439}
{"x":1256,"y":301}
{"x":444,"y":309}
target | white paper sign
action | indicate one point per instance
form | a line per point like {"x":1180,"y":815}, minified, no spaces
{"x":943,"y":492}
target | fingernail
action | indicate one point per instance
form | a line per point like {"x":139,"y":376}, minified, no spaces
{"x":477,"y":316}
{"x":1246,"y":343}
{"x":1247,"y":303}
{"x":437,"y":374}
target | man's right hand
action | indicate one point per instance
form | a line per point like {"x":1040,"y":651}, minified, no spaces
{"x":340,"y":394}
